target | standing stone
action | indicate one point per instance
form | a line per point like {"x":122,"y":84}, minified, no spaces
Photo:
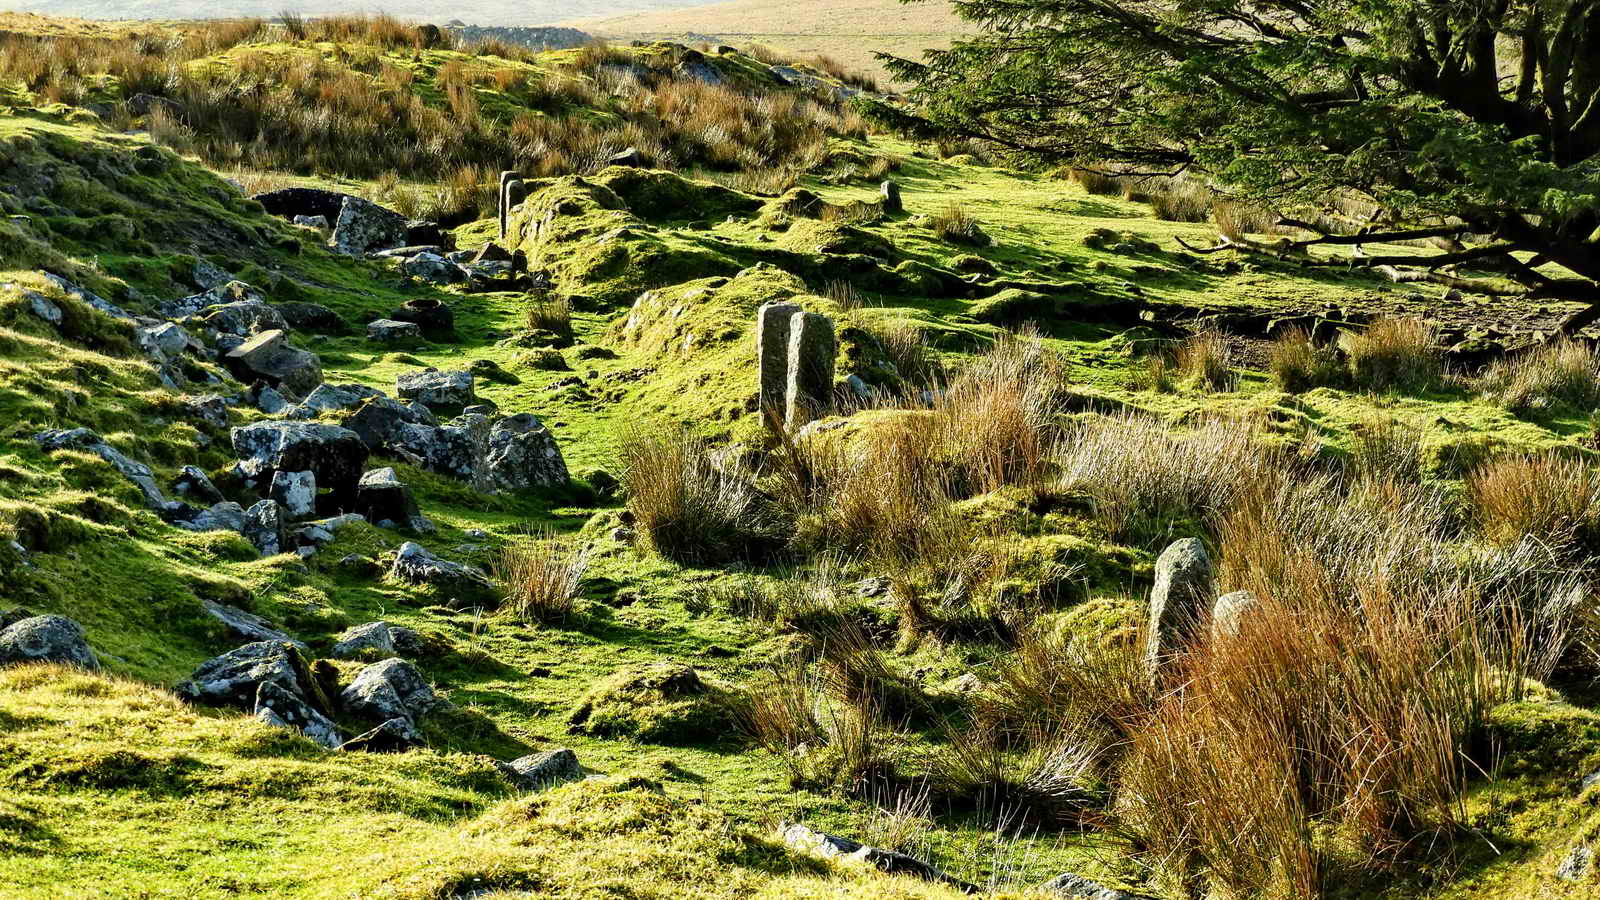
{"x":892,"y":203}
{"x":810,"y":378}
{"x":296,"y":492}
{"x":1183,"y":585}
{"x":1230,"y":612}
{"x":512,"y":192}
{"x":772,"y":353}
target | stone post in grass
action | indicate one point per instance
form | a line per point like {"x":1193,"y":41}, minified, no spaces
{"x":1177,"y":603}
{"x":809,"y":389}
{"x":772,"y":357}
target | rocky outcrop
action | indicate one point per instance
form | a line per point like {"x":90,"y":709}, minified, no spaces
{"x":378,"y":421}
{"x":269,"y":679}
{"x":88,"y":441}
{"x":279,"y":708}
{"x":52,"y":639}
{"x":395,"y":696}
{"x":247,"y":625}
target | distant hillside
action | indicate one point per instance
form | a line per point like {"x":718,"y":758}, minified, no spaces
{"x":476,"y":12}
{"x":849,"y":30}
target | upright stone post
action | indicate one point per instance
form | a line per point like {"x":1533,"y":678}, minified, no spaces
{"x":1177,"y":602}
{"x":772,"y":357}
{"x":505,"y":208}
{"x":809,"y":392}
{"x":892,"y":202}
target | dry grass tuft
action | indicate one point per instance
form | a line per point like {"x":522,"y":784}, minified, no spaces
{"x":1204,"y":359}
{"x":956,"y":225}
{"x":691,"y":506}
{"x":541,"y":578}
{"x":1299,"y":364}
{"x":1550,"y":498}
{"x":1396,"y":354}
{"x":1562,"y":374}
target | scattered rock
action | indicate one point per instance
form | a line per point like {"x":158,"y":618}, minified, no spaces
{"x":224,"y":516}
{"x":282,"y":708}
{"x":265,"y":527}
{"x":337,"y":456}
{"x":893,"y":204}
{"x":234,"y":678}
{"x":457,"y":449}
{"x":1183,"y":582}
{"x":378,"y":422}
{"x":382,"y":497}
{"x":296,"y":492}
{"x":395,"y":735}
{"x":193,"y":482}
{"x":86,"y":440}
{"x":209,"y":411}
{"x":55,"y":639}
{"x":428,"y":314}
{"x":1230,"y":611}
{"x":391,"y":331}
{"x":433,"y":268}
{"x":312,"y":317}
{"x":1080,"y":888}
{"x":1576,"y":865}
{"x":523,"y":455}
{"x":247,"y":625}
{"x":333,"y":398}
{"x":376,"y":639}
{"x":435,"y":389}
{"x":539,"y":771}
{"x":413,"y":564}
{"x":318,"y":222}
{"x":391,"y":689}
{"x":244,"y":317}
{"x":269,"y":357}
{"x":829,"y":847}
{"x":630,"y":158}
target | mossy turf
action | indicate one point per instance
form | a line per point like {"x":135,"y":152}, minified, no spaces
{"x":109,"y":781}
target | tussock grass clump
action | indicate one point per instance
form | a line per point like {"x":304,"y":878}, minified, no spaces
{"x":1204,"y":359}
{"x":1299,"y":364}
{"x":659,"y":703}
{"x":1551,"y":498}
{"x":549,"y":313}
{"x":1236,"y":220}
{"x":1562,"y":374}
{"x":691,"y":507}
{"x":1179,"y":199}
{"x":1142,"y":478}
{"x":541,"y":578}
{"x":956,"y":225}
{"x":1396,"y":354}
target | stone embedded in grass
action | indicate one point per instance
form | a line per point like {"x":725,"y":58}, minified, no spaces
{"x":432,"y":316}
{"x":246,"y":625}
{"x":390,"y":689}
{"x":1231,"y":611}
{"x":394,"y":332}
{"x":55,"y":639}
{"x":234,"y":678}
{"x":539,"y":771}
{"x":437,"y":390}
{"x":523,"y":455}
{"x":1576,"y":864}
{"x":88,"y":441}
{"x":332,"y":398}
{"x":244,"y":317}
{"x":1177,"y":602}
{"x":457,"y":450}
{"x":270,"y":358}
{"x":1079,"y":888}
{"x":888,"y":861}
{"x":809,"y":387}
{"x":463,"y":584}
{"x":433,"y":268}
{"x":391,"y":736}
{"x":378,"y":421}
{"x":282,"y":708}
{"x":893,"y":203}
{"x":377,"y":640}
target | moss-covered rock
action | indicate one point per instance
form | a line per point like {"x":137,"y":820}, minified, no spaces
{"x":659,"y":703}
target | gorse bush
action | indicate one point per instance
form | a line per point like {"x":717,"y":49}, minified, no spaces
{"x":1564,"y":373}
